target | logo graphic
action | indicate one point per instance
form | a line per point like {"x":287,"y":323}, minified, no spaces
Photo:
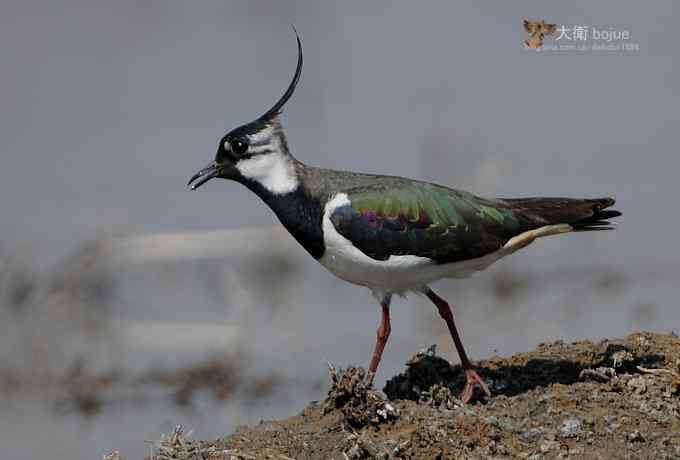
{"x":537,"y":30}
{"x":578,"y":37}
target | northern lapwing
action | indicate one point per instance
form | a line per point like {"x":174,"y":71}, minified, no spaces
{"x":391,"y":234}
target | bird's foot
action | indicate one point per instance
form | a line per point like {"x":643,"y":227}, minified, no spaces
{"x":472,"y":379}
{"x":369,"y":379}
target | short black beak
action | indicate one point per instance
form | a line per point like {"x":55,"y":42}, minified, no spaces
{"x":209,"y":172}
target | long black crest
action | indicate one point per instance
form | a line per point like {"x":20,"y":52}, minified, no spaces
{"x":276,"y":109}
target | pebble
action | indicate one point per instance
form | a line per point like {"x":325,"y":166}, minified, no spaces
{"x":571,"y":427}
{"x":547,"y":446}
{"x":611,"y":424}
{"x":635,"y":436}
{"x":638,"y":384}
{"x":532,"y":434}
{"x":576,"y":451}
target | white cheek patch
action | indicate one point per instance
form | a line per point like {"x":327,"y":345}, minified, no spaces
{"x":274,"y":171}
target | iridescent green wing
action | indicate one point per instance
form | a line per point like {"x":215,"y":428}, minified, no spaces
{"x":426,"y":220}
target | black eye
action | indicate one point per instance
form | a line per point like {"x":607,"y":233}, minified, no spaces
{"x":239,"y":146}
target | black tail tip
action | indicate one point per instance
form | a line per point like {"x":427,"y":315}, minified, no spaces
{"x":608,"y":214}
{"x":600,"y":218}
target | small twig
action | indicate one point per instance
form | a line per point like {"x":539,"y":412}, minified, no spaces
{"x":656,"y":371}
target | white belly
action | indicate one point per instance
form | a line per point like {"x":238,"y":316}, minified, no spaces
{"x":398,"y":274}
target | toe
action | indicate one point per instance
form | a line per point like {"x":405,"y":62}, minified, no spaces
{"x":466,"y":394}
{"x":473,"y":379}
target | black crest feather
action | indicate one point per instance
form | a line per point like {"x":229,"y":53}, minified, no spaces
{"x":276,"y":108}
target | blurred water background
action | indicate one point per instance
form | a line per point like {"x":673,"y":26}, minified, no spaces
{"x":114,"y":277}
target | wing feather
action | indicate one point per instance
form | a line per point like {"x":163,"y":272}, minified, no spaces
{"x":426,"y":220}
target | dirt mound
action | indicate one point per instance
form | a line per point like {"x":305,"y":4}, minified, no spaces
{"x":612,"y":399}
{"x":360,"y":405}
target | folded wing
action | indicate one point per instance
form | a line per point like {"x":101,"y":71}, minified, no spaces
{"x":447,"y":225}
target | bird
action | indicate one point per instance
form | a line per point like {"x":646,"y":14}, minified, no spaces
{"x":537,"y":30}
{"x":391,"y":234}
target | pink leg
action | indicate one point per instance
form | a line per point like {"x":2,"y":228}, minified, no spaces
{"x":471,"y":376}
{"x":382,"y":335}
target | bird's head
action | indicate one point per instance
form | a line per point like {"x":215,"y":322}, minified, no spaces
{"x":257,"y":151}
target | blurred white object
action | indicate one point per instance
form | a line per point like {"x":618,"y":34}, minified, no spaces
{"x":159,"y":247}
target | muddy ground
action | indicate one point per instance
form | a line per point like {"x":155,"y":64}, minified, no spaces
{"x":611,"y":399}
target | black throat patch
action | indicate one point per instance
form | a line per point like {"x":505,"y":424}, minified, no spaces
{"x":299,"y":212}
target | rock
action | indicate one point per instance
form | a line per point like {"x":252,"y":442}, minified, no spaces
{"x":635,"y":436}
{"x":571,"y":428}
{"x":532,"y":434}
{"x":440,"y":396}
{"x":547,"y":446}
{"x":576,"y":451}
{"x":601,"y":374}
{"x":638,"y":384}
{"x":622,"y":359}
